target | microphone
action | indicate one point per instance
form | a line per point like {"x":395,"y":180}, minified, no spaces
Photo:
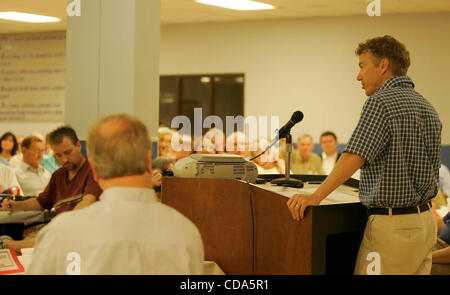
{"x":284,"y":131}
{"x":296,"y":117}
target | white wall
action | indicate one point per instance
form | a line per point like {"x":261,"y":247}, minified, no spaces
{"x":309,"y":64}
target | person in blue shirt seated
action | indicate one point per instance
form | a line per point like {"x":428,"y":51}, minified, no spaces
{"x":441,"y":251}
{"x":49,"y":161}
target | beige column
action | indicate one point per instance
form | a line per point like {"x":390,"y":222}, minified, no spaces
{"x":113,"y":62}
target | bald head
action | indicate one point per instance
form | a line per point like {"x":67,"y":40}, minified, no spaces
{"x":118,"y":145}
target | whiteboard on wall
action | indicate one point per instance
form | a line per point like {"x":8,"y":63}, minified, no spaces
{"x":32,"y":77}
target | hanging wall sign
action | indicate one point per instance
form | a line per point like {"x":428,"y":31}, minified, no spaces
{"x":32,"y":77}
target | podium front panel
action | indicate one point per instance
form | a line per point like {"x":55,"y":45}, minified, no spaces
{"x":248,"y":229}
{"x":221,"y":211}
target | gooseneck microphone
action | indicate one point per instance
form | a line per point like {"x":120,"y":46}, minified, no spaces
{"x":295,"y":118}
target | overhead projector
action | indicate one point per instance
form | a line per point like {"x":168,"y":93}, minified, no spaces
{"x":220,"y":166}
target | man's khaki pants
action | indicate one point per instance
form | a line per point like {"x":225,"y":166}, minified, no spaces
{"x":397,"y":244}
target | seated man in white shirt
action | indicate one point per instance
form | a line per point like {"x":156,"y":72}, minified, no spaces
{"x":32,"y":177}
{"x":269,"y":162}
{"x":128,"y":231}
{"x":330,"y":154}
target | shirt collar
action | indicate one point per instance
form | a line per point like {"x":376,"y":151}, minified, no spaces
{"x":120,"y":193}
{"x":398,"y":81}
{"x":324,"y":156}
{"x":25,"y":166}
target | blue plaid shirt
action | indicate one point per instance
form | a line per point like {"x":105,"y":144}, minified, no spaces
{"x":399,"y":137}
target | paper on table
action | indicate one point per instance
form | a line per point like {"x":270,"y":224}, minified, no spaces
{"x":9,"y":263}
{"x":341,"y":195}
{"x":22,"y":216}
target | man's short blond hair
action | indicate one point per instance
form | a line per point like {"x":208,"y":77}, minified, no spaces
{"x":303,"y":136}
{"x":118,"y":145}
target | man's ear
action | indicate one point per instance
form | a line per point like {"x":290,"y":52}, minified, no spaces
{"x":385,"y":65}
{"x":94,"y":172}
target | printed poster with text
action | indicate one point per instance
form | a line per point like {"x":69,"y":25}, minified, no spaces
{"x":32,"y":77}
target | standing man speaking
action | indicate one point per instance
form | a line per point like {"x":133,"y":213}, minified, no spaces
{"x":397,"y":145}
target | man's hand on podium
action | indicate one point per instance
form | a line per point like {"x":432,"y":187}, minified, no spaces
{"x":345,"y":167}
{"x":297,"y":204}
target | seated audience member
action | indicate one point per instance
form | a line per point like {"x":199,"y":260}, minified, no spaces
{"x":17,"y":158}
{"x":182,"y":146}
{"x":214,"y":141}
{"x":49,"y":161}
{"x":159,"y":165}
{"x":165,"y":142}
{"x":132,"y":232}
{"x":282,"y":149}
{"x":305,"y":161}
{"x":237,"y":144}
{"x":267,"y":163}
{"x":32,"y":177}
{"x":162,"y":163}
{"x":211,"y":143}
{"x":200,"y":147}
{"x":71,"y":187}
{"x":441,"y":200}
{"x":441,"y":251}
{"x":8,"y":179}
{"x":444,"y":182}
{"x":4,"y":161}
{"x":330,"y":154}
{"x":8,"y":147}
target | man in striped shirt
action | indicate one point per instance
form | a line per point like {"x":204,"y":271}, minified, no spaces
{"x":397,"y":146}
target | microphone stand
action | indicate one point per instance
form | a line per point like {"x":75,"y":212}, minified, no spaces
{"x":287,"y":180}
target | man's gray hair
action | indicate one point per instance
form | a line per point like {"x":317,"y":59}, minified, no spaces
{"x":118,"y":146}
{"x":27,"y":141}
{"x":304,"y":136}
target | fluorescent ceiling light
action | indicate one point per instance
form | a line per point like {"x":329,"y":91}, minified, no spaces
{"x":26,"y":17}
{"x":237,"y":4}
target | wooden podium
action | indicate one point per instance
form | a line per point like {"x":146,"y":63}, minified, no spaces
{"x":248,"y":229}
